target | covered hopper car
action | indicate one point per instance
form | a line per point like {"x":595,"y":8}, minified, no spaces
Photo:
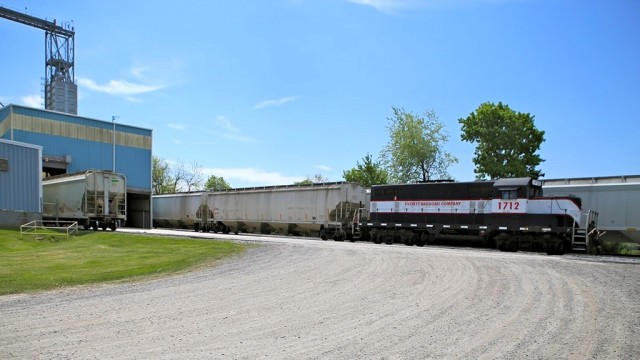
{"x":510,"y":213}
{"x":324,"y":210}
{"x":615,"y":198}
{"x":94,"y":198}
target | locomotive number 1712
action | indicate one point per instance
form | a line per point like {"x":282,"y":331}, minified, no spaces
{"x":508,"y":205}
{"x":515,"y":206}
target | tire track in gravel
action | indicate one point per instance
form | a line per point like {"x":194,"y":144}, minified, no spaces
{"x":312,"y":299}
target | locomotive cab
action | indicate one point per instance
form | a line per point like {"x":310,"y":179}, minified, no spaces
{"x":517,"y":188}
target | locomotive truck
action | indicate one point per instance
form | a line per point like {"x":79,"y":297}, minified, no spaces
{"x":94,"y":198}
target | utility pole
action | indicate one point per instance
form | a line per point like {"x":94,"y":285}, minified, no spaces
{"x":113,"y":119}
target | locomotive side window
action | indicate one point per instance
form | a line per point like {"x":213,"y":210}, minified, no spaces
{"x":509,"y":194}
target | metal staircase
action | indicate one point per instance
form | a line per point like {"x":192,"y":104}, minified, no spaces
{"x":586,"y":237}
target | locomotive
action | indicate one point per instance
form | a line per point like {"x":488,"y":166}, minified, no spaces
{"x":510,"y":214}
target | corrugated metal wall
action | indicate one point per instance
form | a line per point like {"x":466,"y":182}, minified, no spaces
{"x":88,"y":142}
{"x":20,"y":176}
{"x":4,"y":122}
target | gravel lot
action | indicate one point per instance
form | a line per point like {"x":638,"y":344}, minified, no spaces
{"x":296,"y":298}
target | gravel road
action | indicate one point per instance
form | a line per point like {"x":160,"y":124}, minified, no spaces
{"x":296,"y":298}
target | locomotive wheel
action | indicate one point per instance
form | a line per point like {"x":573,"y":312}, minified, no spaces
{"x":555,"y":248}
{"x":375,"y":236}
{"x":410,"y":240}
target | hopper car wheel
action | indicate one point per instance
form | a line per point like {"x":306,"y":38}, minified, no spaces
{"x":339,"y":236}
{"x":86,"y":226}
{"x":323,"y":234}
{"x":104,"y":227}
{"x":225,"y":230}
{"x":94,"y":226}
{"x":113,"y":226}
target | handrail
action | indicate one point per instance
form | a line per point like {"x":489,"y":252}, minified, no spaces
{"x":38,"y":227}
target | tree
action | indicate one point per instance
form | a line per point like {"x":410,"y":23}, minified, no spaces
{"x":215,"y":183}
{"x":506,"y":142}
{"x":186,"y":179}
{"x":416,"y":148}
{"x":167,"y":179}
{"x":317,"y":178}
{"x":161,"y":179}
{"x":367,"y":174}
{"x":192,"y":177}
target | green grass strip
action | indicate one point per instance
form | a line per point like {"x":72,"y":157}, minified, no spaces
{"x":42,"y":262}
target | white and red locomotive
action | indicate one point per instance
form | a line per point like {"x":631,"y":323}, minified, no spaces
{"x":510,"y":213}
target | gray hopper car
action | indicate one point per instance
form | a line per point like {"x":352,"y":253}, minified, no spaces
{"x":323,"y":210}
{"x":94,"y":198}
{"x":616,"y":198}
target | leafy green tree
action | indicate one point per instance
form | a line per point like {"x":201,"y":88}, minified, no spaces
{"x":215,"y":183}
{"x":415,"y":151}
{"x":317,"y":179}
{"x":506,"y":142}
{"x":367,"y":174}
{"x":161,"y":178}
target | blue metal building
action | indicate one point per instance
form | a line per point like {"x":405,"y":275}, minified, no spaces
{"x":20,"y":183}
{"x":73,"y":143}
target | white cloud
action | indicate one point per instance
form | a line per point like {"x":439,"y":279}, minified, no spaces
{"x":225,"y":123}
{"x":118,"y":87}
{"x":32,"y":101}
{"x":380,"y":5}
{"x":392,"y":6}
{"x":231,"y":131}
{"x":324,"y":167}
{"x":177,"y":126}
{"x":276,"y":102}
{"x":252,"y":176}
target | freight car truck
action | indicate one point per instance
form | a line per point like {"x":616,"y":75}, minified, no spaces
{"x":94,"y":198}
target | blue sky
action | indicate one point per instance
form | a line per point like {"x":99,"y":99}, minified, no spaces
{"x":273,"y":91}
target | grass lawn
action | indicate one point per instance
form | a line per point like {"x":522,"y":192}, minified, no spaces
{"x":45,"y":262}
